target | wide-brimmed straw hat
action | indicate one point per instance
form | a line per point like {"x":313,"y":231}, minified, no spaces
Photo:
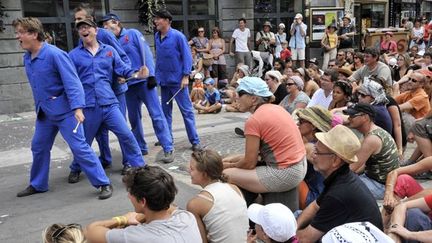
{"x":318,"y":116}
{"x":341,"y":141}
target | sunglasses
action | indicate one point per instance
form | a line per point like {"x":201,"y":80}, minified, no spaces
{"x":60,"y":231}
{"x":362,"y":95}
{"x":356,"y":57}
{"x":412,"y":80}
{"x":340,"y":54}
{"x":356,"y":115}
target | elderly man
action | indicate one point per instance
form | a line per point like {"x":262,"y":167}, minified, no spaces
{"x":346,"y":34}
{"x":324,"y":95}
{"x":372,"y":67}
{"x":345,"y":198}
{"x":378,"y":154}
{"x":297,"y":41}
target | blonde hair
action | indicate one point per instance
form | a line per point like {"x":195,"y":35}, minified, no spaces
{"x":61,"y":233}
{"x":31,"y":25}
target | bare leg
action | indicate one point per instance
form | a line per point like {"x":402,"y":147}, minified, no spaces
{"x":425,"y":145}
{"x":246,"y":179}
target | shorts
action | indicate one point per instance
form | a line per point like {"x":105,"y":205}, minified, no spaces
{"x":281,"y":180}
{"x":298,"y":54}
{"x":421,"y":128}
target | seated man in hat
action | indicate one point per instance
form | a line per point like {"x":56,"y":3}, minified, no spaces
{"x":388,"y":45}
{"x":378,"y":154}
{"x":212,"y":101}
{"x":345,"y":198}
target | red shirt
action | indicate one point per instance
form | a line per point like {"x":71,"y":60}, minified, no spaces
{"x":285,"y":54}
{"x":426,"y":31}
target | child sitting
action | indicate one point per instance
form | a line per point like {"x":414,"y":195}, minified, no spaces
{"x":212,"y":101}
{"x":197,"y":93}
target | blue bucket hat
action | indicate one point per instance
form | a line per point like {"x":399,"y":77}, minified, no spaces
{"x":254,"y":86}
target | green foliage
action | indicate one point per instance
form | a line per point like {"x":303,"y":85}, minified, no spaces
{"x":146,"y":8}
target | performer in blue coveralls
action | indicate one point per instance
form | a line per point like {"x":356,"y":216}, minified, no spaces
{"x":95,"y":63}
{"x":85,"y":11}
{"x":173,"y":66}
{"x":59,"y":99}
{"x":141,"y":90}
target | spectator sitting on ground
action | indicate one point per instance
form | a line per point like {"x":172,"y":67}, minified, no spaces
{"x":296,"y":98}
{"x":242,"y":71}
{"x":412,"y":215}
{"x":422,"y":131}
{"x":341,"y":59}
{"x":212,"y":101}
{"x":272,"y":79}
{"x":271,"y":136}
{"x":219,"y":208}
{"x":324,"y":95}
{"x":358,"y":61}
{"x":332,"y":64}
{"x":151,"y":190}
{"x":388,"y":46}
{"x":197,"y":92}
{"x":345,"y":198}
{"x":61,"y":233}
{"x":279,"y":65}
{"x":425,"y":61}
{"x":288,"y":72}
{"x":274,"y":222}
{"x":344,"y":73}
{"x":311,"y":85}
{"x":342,"y":92}
{"x":378,"y":154}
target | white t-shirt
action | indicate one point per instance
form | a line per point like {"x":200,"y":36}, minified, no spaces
{"x":241,"y":39}
{"x":181,"y":227}
{"x":319,"y":98}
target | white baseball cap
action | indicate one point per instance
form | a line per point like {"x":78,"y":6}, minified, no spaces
{"x":277,"y":221}
{"x":198,"y":76}
{"x":298,"y":16}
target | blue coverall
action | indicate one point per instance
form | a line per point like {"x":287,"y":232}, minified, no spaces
{"x":173,"y":62}
{"x":138,"y":51}
{"x":57,"y":92}
{"x":102,"y":109}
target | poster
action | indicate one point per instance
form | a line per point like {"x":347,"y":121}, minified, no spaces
{"x":321,"y":19}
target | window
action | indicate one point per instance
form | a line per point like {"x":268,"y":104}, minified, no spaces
{"x":58,"y":20}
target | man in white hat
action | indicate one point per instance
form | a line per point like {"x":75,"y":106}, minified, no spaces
{"x":297,"y":41}
{"x":346,"y":34}
{"x":345,"y":198}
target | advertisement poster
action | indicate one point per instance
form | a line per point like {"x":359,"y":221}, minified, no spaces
{"x":321,"y":19}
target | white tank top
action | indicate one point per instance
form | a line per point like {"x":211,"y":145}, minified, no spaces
{"x":227,"y":220}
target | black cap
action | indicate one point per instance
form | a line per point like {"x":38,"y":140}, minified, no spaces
{"x":164,"y":14}
{"x":360,"y":108}
{"x":109,"y":17}
{"x":86,"y":21}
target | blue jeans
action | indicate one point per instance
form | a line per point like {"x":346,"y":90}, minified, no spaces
{"x":374,"y":186}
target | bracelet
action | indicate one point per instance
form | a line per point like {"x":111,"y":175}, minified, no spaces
{"x":121,"y":220}
{"x":118,"y":220}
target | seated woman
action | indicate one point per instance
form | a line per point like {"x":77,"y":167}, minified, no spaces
{"x":296,"y":98}
{"x":219,"y":208}
{"x":273,"y":80}
{"x":241,"y":72}
{"x":388,"y":45}
{"x":342,"y":92}
{"x":311,"y":85}
{"x":61,"y":233}
{"x":312,"y":120}
{"x":275,"y":156}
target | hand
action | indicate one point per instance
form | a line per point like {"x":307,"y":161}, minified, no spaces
{"x":79,"y":116}
{"x":185,"y":81}
{"x":231,"y":53}
{"x":389,"y":202}
{"x":143,"y":72}
{"x":151,"y":82}
{"x":121,"y":80}
{"x":132,"y":218}
{"x":399,"y":230}
{"x":251,"y":237}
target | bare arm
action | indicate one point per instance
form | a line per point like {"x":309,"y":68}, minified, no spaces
{"x":370,"y":145}
{"x":197,"y":207}
{"x":307,"y":215}
{"x":406,"y":106}
{"x":397,"y":127}
{"x":251,"y":153}
{"x":310,"y":234}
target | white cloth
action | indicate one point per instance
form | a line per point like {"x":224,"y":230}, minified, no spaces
{"x":227,"y":220}
{"x":319,"y":98}
{"x":181,"y":227}
{"x":359,"y":232}
{"x":279,"y":39}
{"x":241,"y":39}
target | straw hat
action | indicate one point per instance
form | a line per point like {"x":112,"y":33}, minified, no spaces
{"x":320,"y":117}
{"x":341,"y":141}
{"x":345,"y":71}
{"x":347,"y":16}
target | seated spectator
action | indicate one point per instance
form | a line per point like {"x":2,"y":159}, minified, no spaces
{"x":412,"y":215}
{"x":242,"y":71}
{"x":358,"y":61}
{"x":311,"y":85}
{"x":345,"y":198}
{"x":151,"y":190}
{"x":342,"y":92}
{"x":219,"y":208}
{"x":197,"y":65}
{"x":274,"y":222}
{"x":296,"y":98}
{"x":273,"y":80}
{"x":197,"y":92}
{"x":312,"y":120}
{"x":61,"y":233}
{"x":378,"y":154}
{"x":422,"y":131}
{"x":279,"y":65}
{"x":413,"y":52}
{"x":288,"y":71}
{"x":372,"y":67}
{"x":341,"y":59}
{"x":358,"y":232}
{"x":272,"y":134}
{"x":388,"y":46}
{"x":324,"y":95}
{"x":349,"y":56}
{"x":212,"y":101}
{"x":404,"y":68}
{"x":344,"y":73}
{"x":332,"y":64}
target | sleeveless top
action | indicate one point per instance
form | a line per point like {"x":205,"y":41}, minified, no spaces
{"x":380,"y":164}
{"x":216,"y":49}
{"x":227,"y":220}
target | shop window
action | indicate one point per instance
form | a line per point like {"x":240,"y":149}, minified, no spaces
{"x":43,"y":8}
{"x":373,"y":15}
{"x":175,"y":7}
{"x":265,"y":6}
{"x":201,"y":7}
{"x":286,"y":6}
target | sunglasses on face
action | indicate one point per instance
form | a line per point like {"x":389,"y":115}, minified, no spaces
{"x":340,"y":54}
{"x":362,"y":95}
{"x":356,"y":115}
{"x":413,"y":80}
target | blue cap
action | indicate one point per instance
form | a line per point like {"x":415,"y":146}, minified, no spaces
{"x":209,"y":81}
{"x":254,"y":86}
{"x":110,"y":16}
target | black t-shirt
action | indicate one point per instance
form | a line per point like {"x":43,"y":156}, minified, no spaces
{"x":345,"y":199}
{"x":280,"y":93}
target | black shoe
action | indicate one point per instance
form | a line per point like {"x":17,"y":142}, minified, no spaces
{"x":144,"y":152}
{"x":125,"y":169}
{"x":196,"y":147}
{"x":106,"y":166}
{"x":168,"y":157}
{"x":74,"y":177}
{"x":239,"y":131}
{"x":30,"y":190}
{"x":157,"y":144}
{"x":106,"y":192}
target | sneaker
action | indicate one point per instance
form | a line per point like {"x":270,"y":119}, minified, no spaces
{"x":168,"y":157}
{"x":30,"y":190}
{"x":196,"y":147}
{"x":125,"y":169}
{"x":239,"y":131}
{"x":74,"y":177}
{"x":105,"y":192}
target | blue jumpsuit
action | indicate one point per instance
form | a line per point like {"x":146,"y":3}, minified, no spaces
{"x":102,"y":109}
{"x":138,"y":51}
{"x":102,"y":138}
{"x":173,"y":62}
{"x":57,"y":92}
